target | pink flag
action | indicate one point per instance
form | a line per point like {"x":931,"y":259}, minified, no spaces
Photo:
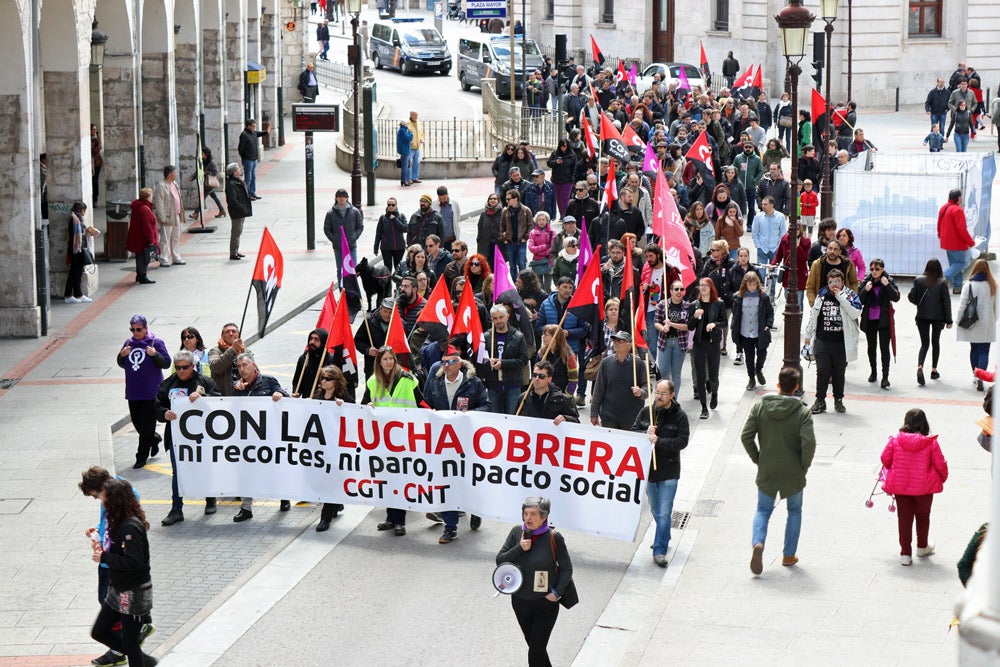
{"x":667,"y":224}
{"x":586,"y":251}
{"x":501,"y":274}
{"x":631,"y":75}
{"x":682,"y":79}
{"x":649,"y":162}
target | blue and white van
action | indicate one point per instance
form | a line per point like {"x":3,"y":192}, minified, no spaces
{"x":409,"y":45}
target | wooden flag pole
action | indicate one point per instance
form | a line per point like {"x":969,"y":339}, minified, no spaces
{"x":245,"y":306}
{"x":298,"y":385}
{"x":548,"y":348}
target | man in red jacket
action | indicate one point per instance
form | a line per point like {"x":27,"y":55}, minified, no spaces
{"x":953,"y":233}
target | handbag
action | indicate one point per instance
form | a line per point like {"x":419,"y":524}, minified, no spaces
{"x":133,"y":602}
{"x":784,"y":121}
{"x":590,"y":370}
{"x":971,"y":313}
{"x":541,"y":267}
{"x":152,"y":253}
{"x":88,"y":254}
{"x":399,"y":162}
{"x":570,"y":598}
{"x":212,"y":182}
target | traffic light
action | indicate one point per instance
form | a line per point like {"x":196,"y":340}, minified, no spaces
{"x":818,"y":76}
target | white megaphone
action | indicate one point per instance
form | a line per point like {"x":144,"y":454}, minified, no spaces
{"x":507,"y":578}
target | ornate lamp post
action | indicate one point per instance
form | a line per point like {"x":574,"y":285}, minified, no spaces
{"x":828,"y":9}
{"x":794,"y":22}
{"x":354,"y":56}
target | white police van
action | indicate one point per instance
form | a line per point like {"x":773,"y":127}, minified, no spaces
{"x":490,"y":58}
{"x":410,"y":46}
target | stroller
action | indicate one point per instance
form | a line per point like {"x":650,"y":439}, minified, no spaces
{"x":875,"y":492}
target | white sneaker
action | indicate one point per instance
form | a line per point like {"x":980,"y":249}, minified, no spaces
{"x":926,"y":551}
{"x":85,"y":299}
{"x":905,"y":560}
{"x":71,"y":299}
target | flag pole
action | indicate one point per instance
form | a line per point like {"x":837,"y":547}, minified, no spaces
{"x":548,"y":348}
{"x":298,"y":385}
{"x":635,"y":327}
{"x":652,"y":421}
{"x":245,"y":306}
{"x":319,"y":369}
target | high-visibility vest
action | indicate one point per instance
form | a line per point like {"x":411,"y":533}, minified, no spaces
{"x":399,"y":396}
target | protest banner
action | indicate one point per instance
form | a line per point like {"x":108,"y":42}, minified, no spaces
{"x":421,"y":460}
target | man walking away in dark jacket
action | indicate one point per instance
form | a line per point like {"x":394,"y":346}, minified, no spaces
{"x":778,"y":436}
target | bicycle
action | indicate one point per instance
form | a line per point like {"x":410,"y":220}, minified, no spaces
{"x":773,"y":274}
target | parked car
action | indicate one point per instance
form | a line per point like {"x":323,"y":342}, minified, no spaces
{"x":490,"y":57}
{"x":670,"y":74}
{"x":410,"y":46}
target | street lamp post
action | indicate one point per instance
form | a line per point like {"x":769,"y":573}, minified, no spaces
{"x":828,"y":9}
{"x":354,"y":9}
{"x":794,"y":22}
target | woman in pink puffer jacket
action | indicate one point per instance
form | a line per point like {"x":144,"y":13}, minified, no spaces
{"x":540,"y":245}
{"x":915,"y":471}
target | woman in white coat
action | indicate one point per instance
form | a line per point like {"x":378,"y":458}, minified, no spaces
{"x":982,"y":287}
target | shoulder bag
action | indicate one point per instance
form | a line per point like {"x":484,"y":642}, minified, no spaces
{"x":212,"y":182}
{"x":971,"y":313}
{"x":570,"y":598}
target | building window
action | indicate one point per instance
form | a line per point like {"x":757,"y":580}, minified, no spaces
{"x":721,"y":15}
{"x":925,"y":18}
{"x":550,"y":9}
{"x":607,"y":11}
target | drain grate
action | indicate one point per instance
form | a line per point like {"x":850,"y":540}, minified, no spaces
{"x":8,"y":383}
{"x":679,"y":519}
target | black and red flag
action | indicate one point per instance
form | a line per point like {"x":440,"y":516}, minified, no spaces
{"x":325,"y":319}
{"x":587,"y":303}
{"x":438,"y":315}
{"x":743,"y":86}
{"x":700,"y":151}
{"x":596,"y":52}
{"x":612,"y":138}
{"x":340,"y":344}
{"x":467,"y":322}
{"x":267,"y":278}
{"x":706,"y":73}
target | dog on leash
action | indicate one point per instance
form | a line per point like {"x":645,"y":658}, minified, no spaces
{"x":376,"y":281}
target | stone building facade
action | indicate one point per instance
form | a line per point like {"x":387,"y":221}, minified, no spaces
{"x":901,"y":44}
{"x":170,"y":68}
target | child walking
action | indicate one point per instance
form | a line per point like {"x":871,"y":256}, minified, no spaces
{"x":935,"y":139}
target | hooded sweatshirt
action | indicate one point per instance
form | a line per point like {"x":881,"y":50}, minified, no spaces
{"x":915,"y":465}
{"x":778,"y":436}
{"x":309,"y":363}
{"x":143,"y":373}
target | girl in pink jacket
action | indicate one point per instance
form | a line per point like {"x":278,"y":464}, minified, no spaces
{"x":915,"y":471}
{"x":540,"y":240}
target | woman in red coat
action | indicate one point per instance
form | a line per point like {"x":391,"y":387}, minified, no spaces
{"x":801,"y":262}
{"x":142,"y":233}
{"x":915,"y":471}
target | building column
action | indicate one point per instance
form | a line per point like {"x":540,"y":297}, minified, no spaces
{"x":236,"y":65}
{"x":67,"y":146}
{"x":121,"y":154}
{"x":269,"y":89}
{"x":212,"y":102}
{"x":186,"y":87}
{"x":291,"y":55}
{"x":157,"y":130}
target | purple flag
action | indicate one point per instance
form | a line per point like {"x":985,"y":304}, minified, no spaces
{"x":501,"y":274}
{"x":682,"y":80}
{"x":649,"y":161}
{"x":586,"y":251}
{"x":349,"y":277}
{"x":631,"y":75}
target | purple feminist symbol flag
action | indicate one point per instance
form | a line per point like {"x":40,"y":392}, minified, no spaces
{"x":586,"y":252}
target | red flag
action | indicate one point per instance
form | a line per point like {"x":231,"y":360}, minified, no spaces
{"x":621,"y":75}
{"x":704,"y":58}
{"x":610,"y":134}
{"x":596,"y":52}
{"x":438,"y":315}
{"x":639,"y":325}
{"x":743,"y":86}
{"x":610,"y":186}
{"x":818,"y":110}
{"x":589,"y":142}
{"x":701,"y":152}
{"x":396,"y":339}
{"x":587,"y":302}
{"x":630,"y":138}
{"x":341,"y":342}
{"x":758,"y":81}
{"x":467,"y":322}
{"x":593,"y":93}
{"x":668,"y":225}
{"x":325,"y":319}
{"x":628,"y":280}
{"x":266,"y":280}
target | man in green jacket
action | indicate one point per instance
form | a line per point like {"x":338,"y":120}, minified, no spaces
{"x":749,"y":170}
{"x":783,"y":427}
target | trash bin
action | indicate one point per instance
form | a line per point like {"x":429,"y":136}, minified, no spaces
{"x":117,"y":233}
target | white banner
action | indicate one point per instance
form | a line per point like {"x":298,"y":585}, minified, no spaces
{"x":421,"y":460}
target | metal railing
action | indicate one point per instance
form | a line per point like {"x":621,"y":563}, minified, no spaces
{"x":443,"y":139}
{"x":335,"y":75}
{"x":516,"y":122}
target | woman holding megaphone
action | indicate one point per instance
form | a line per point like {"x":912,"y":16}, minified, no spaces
{"x":540,"y":553}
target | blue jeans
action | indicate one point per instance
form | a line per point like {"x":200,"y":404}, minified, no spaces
{"x":450,"y":518}
{"x":510,"y":253}
{"x":404,"y":173}
{"x":414,"y":164}
{"x":765,"y":257}
{"x":504,"y":402}
{"x":670,"y":361}
{"x":961,"y":142}
{"x":250,"y":176}
{"x":522,"y":260}
{"x":941,"y":120}
{"x":661,"y":505}
{"x":765,"y":505}
{"x":979,"y":355}
{"x":957,"y":261}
